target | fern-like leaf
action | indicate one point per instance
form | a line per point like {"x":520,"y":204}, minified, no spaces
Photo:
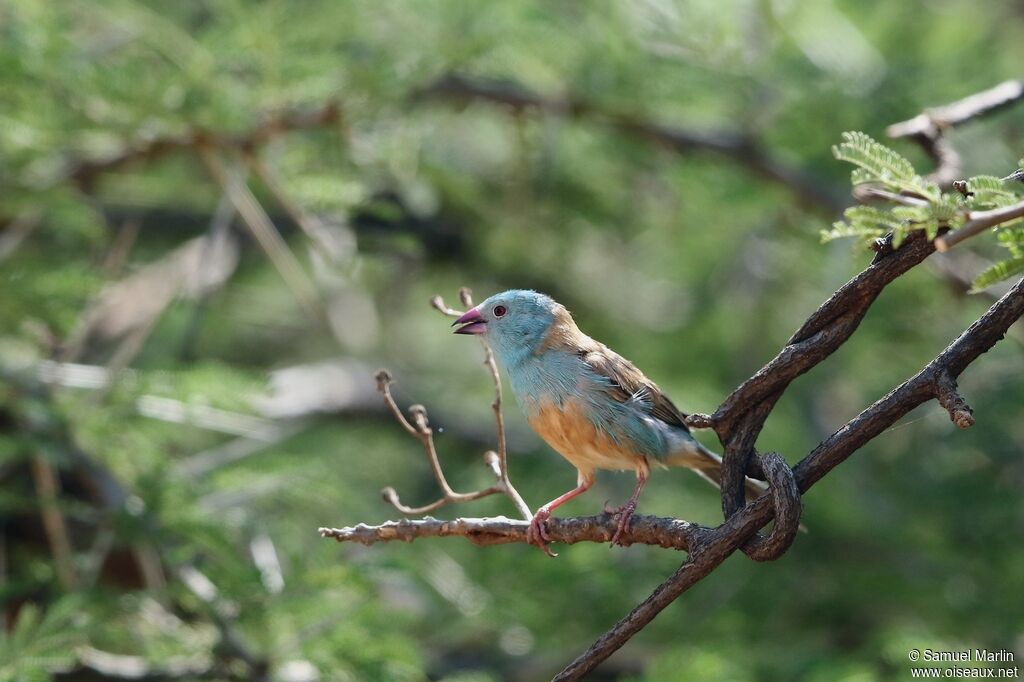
{"x":877,"y":162}
{"x":997,"y":273}
{"x":990,"y":192}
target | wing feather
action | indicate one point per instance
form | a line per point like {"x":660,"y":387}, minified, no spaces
{"x":627,"y":382}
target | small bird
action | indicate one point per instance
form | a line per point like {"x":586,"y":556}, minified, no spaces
{"x":591,"y":405}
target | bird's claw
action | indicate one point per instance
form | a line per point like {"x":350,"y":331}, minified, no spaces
{"x":625,"y":513}
{"x":537,"y":534}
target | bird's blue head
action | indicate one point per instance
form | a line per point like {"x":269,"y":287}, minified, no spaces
{"x":515,"y":323}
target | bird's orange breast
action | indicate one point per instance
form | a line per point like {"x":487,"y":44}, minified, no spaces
{"x":571,"y":434}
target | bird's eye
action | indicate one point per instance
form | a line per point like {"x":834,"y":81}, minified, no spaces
{"x":499,"y":311}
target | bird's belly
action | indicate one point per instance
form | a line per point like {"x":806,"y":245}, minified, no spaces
{"x":570,"y":433}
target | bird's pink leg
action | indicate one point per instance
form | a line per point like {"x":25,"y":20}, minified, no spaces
{"x":626,"y":510}
{"x":537,"y":534}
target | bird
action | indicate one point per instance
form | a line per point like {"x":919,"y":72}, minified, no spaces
{"x":587,"y":402}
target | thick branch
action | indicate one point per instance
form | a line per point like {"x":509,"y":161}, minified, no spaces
{"x":719,"y":543}
{"x":740,"y":418}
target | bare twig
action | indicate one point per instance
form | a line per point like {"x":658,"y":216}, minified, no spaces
{"x":961,"y":111}
{"x":263,"y":230}
{"x":500,"y":530}
{"x":978,"y":222}
{"x":48,"y":489}
{"x":929,"y":128}
{"x":866,"y":193}
{"x":420,"y":429}
{"x":308,"y":222}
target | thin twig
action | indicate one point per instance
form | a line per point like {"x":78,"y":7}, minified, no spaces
{"x":961,"y":111}
{"x":500,"y":530}
{"x":262,"y":228}
{"x":978,"y":222}
{"x":929,"y":128}
{"x":309,"y":223}
{"x":48,"y":489}
{"x":466,"y":296}
{"x":420,"y":429}
{"x":867,"y":192}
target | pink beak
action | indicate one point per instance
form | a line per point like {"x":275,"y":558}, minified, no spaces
{"x":472,"y":323}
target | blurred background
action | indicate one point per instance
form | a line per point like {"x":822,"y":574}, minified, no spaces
{"x":218,"y":218}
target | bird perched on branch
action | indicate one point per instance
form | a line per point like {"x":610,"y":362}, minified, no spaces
{"x":594,"y":407}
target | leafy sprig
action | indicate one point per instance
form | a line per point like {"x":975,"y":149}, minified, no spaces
{"x":920,"y":204}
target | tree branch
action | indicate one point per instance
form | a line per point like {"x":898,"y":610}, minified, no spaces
{"x":978,"y":222}
{"x":500,"y":530}
{"x":738,"y":422}
{"x":84,"y":172}
{"x":420,"y":429}
{"x":719,"y":543}
{"x":739,"y":147}
{"x":929,"y":127}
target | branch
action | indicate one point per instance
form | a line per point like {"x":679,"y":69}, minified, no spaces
{"x":928,"y":128}
{"x":47,"y":486}
{"x":262,"y":228}
{"x":646,"y":530}
{"x":419,"y":428}
{"x":961,"y":111}
{"x":739,"y":147}
{"x":978,"y":222}
{"x":719,"y":543}
{"x":85,"y":172}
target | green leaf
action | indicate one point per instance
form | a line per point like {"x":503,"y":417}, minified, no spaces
{"x":40,"y":639}
{"x":842,"y":230}
{"x":990,"y":192}
{"x":877,"y":162}
{"x":1012,"y":238}
{"x":997,"y":273}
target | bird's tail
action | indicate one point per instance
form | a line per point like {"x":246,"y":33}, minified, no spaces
{"x":708,"y":466}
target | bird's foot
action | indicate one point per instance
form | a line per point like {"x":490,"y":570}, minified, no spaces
{"x":625,"y":513}
{"x":537,"y":534}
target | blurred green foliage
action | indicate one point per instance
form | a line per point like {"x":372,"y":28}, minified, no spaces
{"x":689,"y":264}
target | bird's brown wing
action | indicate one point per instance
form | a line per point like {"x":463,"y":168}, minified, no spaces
{"x":628,"y":382}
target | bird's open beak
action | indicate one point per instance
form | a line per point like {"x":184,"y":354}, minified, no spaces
{"x":472,"y":323}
